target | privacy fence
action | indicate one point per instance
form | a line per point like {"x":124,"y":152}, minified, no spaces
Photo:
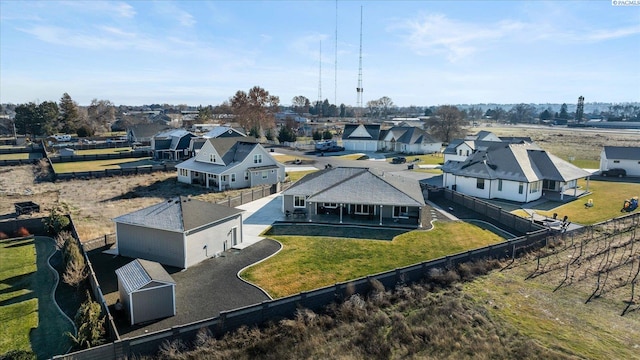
{"x":148,"y":169}
{"x":93,"y":157}
{"x":21,"y":155}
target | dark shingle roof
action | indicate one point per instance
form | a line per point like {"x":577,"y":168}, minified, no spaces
{"x":140,"y":273}
{"x":358,"y":185}
{"x":178,"y":214}
{"x":622,"y":152}
{"x":233,"y":149}
{"x":372,"y":129}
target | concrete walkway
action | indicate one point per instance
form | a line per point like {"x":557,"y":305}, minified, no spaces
{"x":258,"y":216}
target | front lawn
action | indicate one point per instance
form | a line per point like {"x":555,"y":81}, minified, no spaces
{"x":608,"y":198}
{"x":310,"y":262}
{"x":101,"y":165}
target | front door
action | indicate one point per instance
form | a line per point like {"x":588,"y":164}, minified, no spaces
{"x":234,"y":236}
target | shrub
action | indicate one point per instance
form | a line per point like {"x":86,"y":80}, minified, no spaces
{"x":85,"y":131}
{"x":90,"y":325}
{"x":22,"y":232}
{"x":56,"y":222}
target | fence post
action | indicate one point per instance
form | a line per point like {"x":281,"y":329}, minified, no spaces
{"x":241,"y":202}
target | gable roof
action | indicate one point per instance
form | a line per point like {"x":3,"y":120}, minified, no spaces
{"x":140,"y":273}
{"x":372,"y":132}
{"x":516,"y":162}
{"x":622,"y":152}
{"x":483,"y":135}
{"x":358,"y":185}
{"x":227,"y":131}
{"x":141,"y":131}
{"x":180,"y":214}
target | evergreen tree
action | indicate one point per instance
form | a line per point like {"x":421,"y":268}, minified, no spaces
{"x":327,"y":135}
{"x":317,"y":135}
{"x":563,"y":112}
{"x":69,"y":118}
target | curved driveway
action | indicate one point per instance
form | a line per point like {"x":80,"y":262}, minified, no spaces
{"x":202,"y":291}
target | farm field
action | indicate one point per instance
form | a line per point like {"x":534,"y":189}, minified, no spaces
{"x":310,"y":262}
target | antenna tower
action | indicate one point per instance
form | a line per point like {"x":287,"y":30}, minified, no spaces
{"x":359,"y":89}
{"x":335,"y":71}
{"x":319,"y":103}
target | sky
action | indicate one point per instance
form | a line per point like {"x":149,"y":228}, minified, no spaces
{"x":419,"y":53}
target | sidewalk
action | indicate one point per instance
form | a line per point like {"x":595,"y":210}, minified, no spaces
{"x":258,"y":216}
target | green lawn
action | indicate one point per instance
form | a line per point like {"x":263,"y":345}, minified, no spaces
{"x":283,"y":158}
{"x":608,"y":198}
{"x":20,"y":156}
{"x":101,"y":165}
{"x":29,"y":317}
{"x":429,"y":159}
{"x":103,"y":151}
{"x":307,"y":263}
{"x":297,"y":175}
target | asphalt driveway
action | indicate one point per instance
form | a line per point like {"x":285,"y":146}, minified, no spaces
{"x":202,"y":291}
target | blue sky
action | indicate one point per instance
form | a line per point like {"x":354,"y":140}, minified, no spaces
{"x":415,"y":52}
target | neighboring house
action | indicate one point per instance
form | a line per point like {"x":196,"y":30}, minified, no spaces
{"x":231,"y":163}
{"x":171,"y":144}
{"x":621,"y":157}
{"x":179,"y":232}
{"x":361,"y":137}
{"x":461,"y":149}
{"x":147,"y":292}
{"x":143,"y":133}
{"x":409,"y":140}
{"x":344,"y":193}
{"x":224,"y":131}
{"x":516,"y":172}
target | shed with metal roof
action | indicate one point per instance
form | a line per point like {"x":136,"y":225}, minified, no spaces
{"x":147,"y":291}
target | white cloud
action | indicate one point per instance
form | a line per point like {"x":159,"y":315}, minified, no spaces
{"x":105,"y":38}
{"x":308,"y":46}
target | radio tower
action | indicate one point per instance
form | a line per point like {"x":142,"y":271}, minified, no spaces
{"x":335,"y":71}
{"x":359,"y":89}
{"x":319,"y":103}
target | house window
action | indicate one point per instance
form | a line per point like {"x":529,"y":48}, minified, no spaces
{"x":298,"y":201}
{"x":467,"y":152}
{"x":330,"y":205}
{"x":233,"y":177}
{"x":401,"y":211}
{"x":460,"y":152}
{"x":257,"y":159}
{"x":534,"y":187}
{"x":246,"y":176}
{"x":616,"y":161}
{"x":265,"y":174}
{"x":362,"y":209}
{"x":212,"y":158}
{"x":499,"y":184}
{"x":223,"y":178}
{"x":520,"y":188}
{"x":480,"y":184}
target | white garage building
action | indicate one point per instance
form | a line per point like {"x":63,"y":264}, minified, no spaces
{"x":361,"y":137}
{"x":180,"y":232}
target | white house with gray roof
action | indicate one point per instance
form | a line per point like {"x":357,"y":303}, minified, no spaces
{"x":409,"y":140}
{"x":231,"y":163}
{"x":179,"y":232}
{"x":361,"y":137}
{"x":516,"y":172}
{"x":347,"y":195}
{"x":621,"y":157}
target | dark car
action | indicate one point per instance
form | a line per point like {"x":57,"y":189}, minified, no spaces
{"x":399,"y":160}
{"x":335,"y":148}
{"x":614,"y":172}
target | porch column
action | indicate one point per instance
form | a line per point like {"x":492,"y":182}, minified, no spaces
{"x":419,"y":217}
{"x":341,"y":213}
{"x":562,"y":192}
{"x":380,"y":214}
{"x":588,"y":183}
{"x":575,"y":189}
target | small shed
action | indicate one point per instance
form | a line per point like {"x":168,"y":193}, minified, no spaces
{"x":67,"y":152}
{"x":146,"y":290}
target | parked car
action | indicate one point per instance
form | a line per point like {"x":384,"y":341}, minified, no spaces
{"x":335,"y":148}
{"x":399,"y":160}
{"x":614,"y":172}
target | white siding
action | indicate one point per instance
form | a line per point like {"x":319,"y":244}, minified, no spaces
{"x":510,"y":189}
{"x":165,"y":247}
{"x":213,"y":240}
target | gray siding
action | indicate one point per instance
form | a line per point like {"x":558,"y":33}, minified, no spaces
{"x":165,"y":247}
{"x":207,"y":242}
{"x":152,"y":304}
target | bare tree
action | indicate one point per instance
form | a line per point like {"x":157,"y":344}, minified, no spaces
{"x":447,"y":124}
{"x":301,"y":104}
{"x":255,"y":109}
{"x":102,"y":113}
{"x":386,"y":105}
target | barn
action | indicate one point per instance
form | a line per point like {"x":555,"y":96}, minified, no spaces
{"x":147,"y":291}
{"x":179,"y":232}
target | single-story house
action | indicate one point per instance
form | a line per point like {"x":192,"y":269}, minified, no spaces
{"x":409,"y":140}
{"x":621,"y":157}
{"x":147,"y":292}
{"x":345,"y":194}
{"x":361,"y":137}
{"x":516,"y":172}
{"x":143,"y":133}
{"x":231,"y":163}
{"x":179,"y":232}
{"x":171,"y":144}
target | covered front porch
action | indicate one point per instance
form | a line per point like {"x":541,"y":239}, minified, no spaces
{"x":358,"y":214}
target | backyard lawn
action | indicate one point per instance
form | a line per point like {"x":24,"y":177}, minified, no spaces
{"x":20,"y":156}
{"x":103,"y":151}
{"x":100,"y":165}
{"x":29,"y":318}
{"x":608,"y":198}
{"x":310,"y":262}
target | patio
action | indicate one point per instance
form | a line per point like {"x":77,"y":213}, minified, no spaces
{"x":334,"y":217}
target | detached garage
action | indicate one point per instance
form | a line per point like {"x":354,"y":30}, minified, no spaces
{"x":147,"y":291}
{"x":179,"y":232}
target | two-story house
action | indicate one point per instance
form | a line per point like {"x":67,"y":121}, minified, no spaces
{"x":231,"y":163}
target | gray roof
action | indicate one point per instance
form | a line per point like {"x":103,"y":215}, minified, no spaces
{"x":516,"y":162}
{"x":222,"y":130}
{"x":484,"y":144}
{"x":178,"y":214}
{"x":142,"y":131}
{"x":140,"y":273}
{"x":372,"y":129}
{"x":413,"y":135}
{"x":358,"y":185}
{"x":622,"y":152}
